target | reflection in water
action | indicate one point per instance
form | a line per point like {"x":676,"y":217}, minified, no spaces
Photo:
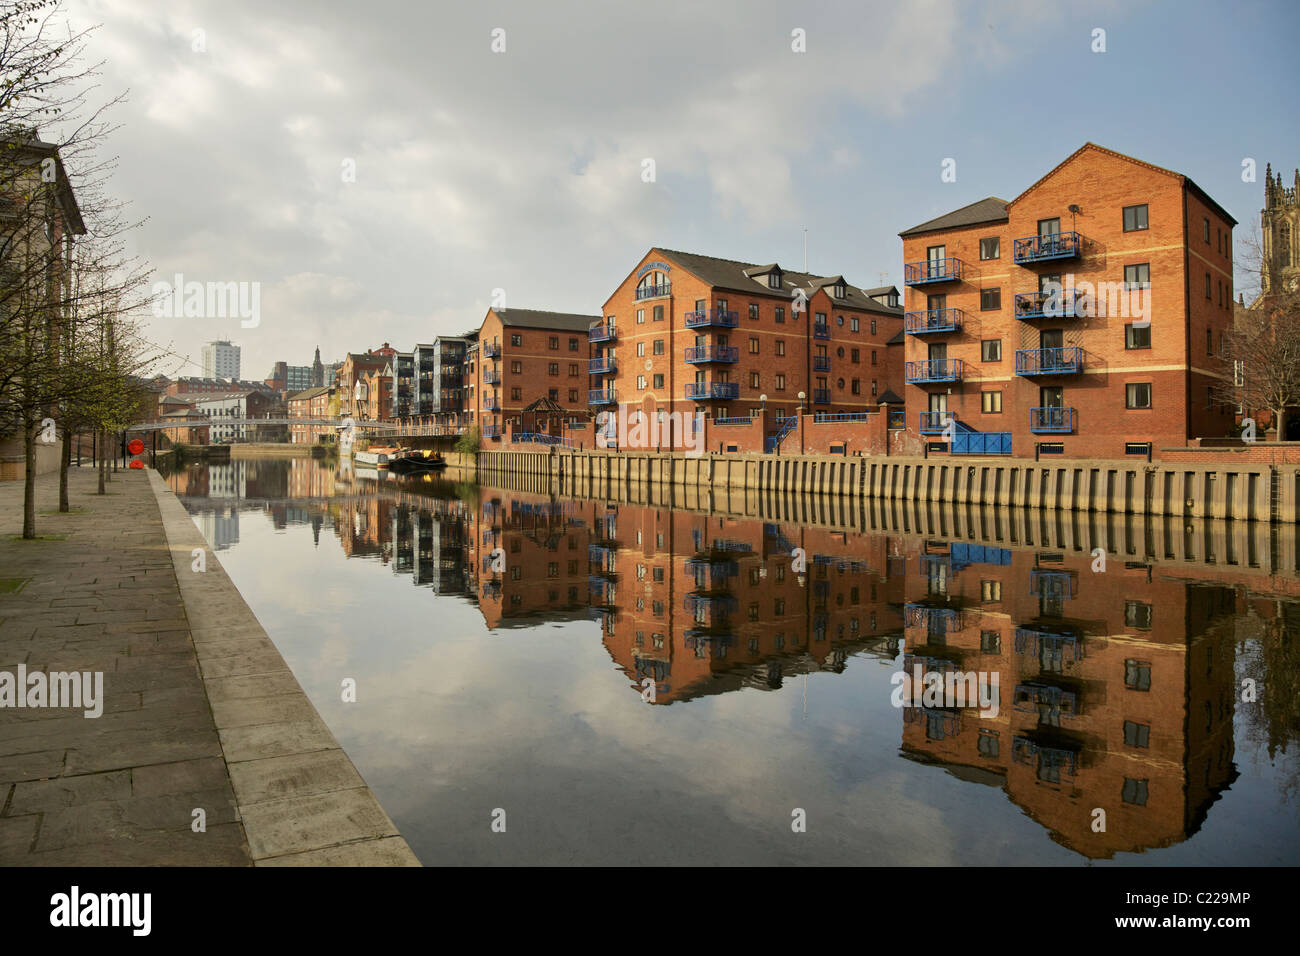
{"x":1117,"y":688}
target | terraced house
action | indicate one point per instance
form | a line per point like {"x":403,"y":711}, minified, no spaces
{"x":691,"y":333}
{"x":1083,"y":318}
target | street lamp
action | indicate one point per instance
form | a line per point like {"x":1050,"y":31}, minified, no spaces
{"x":763,"y":398}
{"x":801,"y":398}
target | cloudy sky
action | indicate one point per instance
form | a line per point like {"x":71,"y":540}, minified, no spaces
{"x":522,"y":169}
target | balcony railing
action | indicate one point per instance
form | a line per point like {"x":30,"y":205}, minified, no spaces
{"x":934,"y":423}
{"x":932,"y":320}
{"x":1066,"y":360}
{"x":602,"y":333}
{"x":1059,"y":245}
{"x":1051,"y":420}
{"x":602,"y":366}
{"x":821,"y":363}
{"x":492,"y":350}
{"x":700,"y":354}
{"x":821,"y":396}
{"x":654,"y":291}
{"x":723,"y":318}
{"x":935,"y":370}
{"x":832,"y":418}
{"x":491,"y":431}
{"x":705,"y":391}
{"x":601,"y":396}
{"x":734,"y":420}
{"x":492,"y":377}
{"x":932,"y":270}
{"x":1058,"y":304}
{"x":821,"y":330}
{"x":492,"y":404}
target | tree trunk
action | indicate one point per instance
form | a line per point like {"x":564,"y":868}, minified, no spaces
{"x":29,"y":483}
{"x":1281,"y":424}
{"x":65,"y":459}
{"x":103,"y":465}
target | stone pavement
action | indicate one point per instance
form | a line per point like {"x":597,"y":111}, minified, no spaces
{"x":225,"y":729}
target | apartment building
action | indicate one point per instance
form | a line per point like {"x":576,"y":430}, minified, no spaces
{"x":691,"y":333}
{"x":352,"y":381}
{"x":1084,"y":318}
{"x":440,"y":379}
{"x":529,"y":372}
{"x":313,"y":403}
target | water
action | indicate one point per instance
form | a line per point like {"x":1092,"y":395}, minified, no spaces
{"x":514,"y":684}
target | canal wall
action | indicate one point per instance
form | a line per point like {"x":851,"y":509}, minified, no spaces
{"x":1239,"y":487}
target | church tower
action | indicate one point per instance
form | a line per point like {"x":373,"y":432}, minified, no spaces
{"x":317,"y":371}
{"x":1280,"y":225}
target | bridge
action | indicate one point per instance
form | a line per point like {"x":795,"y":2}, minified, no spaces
{"x":314,"y":422}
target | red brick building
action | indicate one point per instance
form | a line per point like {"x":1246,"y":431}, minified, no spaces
{"x":314,"y":403}
{"x":527,"y":357}
{"x":353,"y":392}
{"x":689,"y":333}
{"x":1023,"y":317}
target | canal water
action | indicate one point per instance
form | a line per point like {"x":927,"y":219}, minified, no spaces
{"x":544,"y":680}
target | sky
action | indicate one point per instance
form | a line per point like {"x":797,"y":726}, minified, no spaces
{"x":522,"y":169}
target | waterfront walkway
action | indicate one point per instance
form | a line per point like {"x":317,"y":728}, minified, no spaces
{"x":200,"y":711}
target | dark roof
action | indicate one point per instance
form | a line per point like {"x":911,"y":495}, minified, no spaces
{"x":897,"y":339}
{"x":544,"y":404}
{"x":891,"y":398}
{"x":991,"y":209}
{"x":883,"y":290}
{"x":540,"y":319}
{"x":309,"y":393}
{"x":750,"y":278}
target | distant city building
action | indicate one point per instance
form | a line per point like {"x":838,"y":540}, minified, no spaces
{"x":221,"y":360}
{"x":1280,"y":225}
{"x":317,"y":371}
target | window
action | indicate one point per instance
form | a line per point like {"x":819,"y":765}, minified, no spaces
{"x":1207,"y":231}
{"x":640,"y":350}
{"x":753,"y":380}
{"x":780,"y":346}
{"x":659,"y":347}
{"x":991,"y":350}
{"x":1137,"y":675}
{"x":554,"y":394}
{"x":873,"y":326}
{"x":1051,"y":448}
{"x":517,"y":368}
{"x":573,"y":394}
{"x":1137,"y":276}
{"x":516,"y":394}
{"x":640,"y":316}
{"x":856,"y":387}
{"x":991,"y":402}
{"x":1209,"y":342}
{"x":1137,"y":448}
{"x":988,"y":743}
{"x":1137,"y":336}
{"x":839,"y":320}
{"x":553,"y":343}
{"x":1208,"y":293}
{"x":780,"y":315}
{"x":573,"y":345}
{"x":1135,"y":792}
{"x":990,"y":591}
{"x":990,"y":248}
{"x":1136,"y":735}
{"x":774,"y":280}
{"x":1135,"y":218}
{"x":873,"y":356}
{"x":990,"y":299}
{"x":640,"y":381}
{"x":553,"y":368}
{"x":753,"y":310}
{"x":854,"y":356}
{"x":659,"y":380}
{"x":516,"y":340}
{"x":853,"y":323}
{"x":753,"y":345}
{"x":990,"y":642}
{"x":1137,"y":395}
{"x":659,"y":313}
{"x":839,"y":383}
{"x":780,"y":382}
{"x":1137,"y":614}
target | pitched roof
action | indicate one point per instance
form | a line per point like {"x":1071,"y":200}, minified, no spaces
{"x":751,"y":279}
{"x":991,"y":209}
{"x":309,"y":393}
{"x":891,"y":398}
{"x":898,"y":338}
{"x":542,"y":319}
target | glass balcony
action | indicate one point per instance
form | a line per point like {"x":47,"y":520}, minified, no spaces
{"x":821,"y":330}
{"x":701,"y":354}
{"x":1060,"y":245}
{"x":707,"y":391}
{"x":932,"y":270}
{"x":1052,"y":420}
{"x":821,"y":363}
{"x":722,"y":318}
{"x":604,"y":365}
{"x":937,"y":370}
{"x":491,"y":431}
{"x":1058,"y":304}
{"x":601,"y":396}
{"x":1067,"y":360}
{"x":492,"y":404}
{"x":492,"y":349}
{"x":602,"y":333}
{"x":654,"y":291}
{"x":821,"y":396}
{"x":932,"y":320}
{"x":492,"y":377}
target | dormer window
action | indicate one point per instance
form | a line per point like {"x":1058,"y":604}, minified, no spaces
{"x":839,"y":290}
{"x":893,"y":300}
{"x":774,"y":279}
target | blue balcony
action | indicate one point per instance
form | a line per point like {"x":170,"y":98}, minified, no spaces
{"x":654,"y":291}
{"x":1036,"y":641}
{"x":734,"y":420}
{"x":601,"y":396}
{"x":1051,"y":421}
{"x":821,"y":363}
{"x":708,"y":391}
{"x":491,"y":431}
{"x":932,"y":320}
{"x":821,"y":396}
{"x":1060,"y":245}
{"x":492,"y":350}
{"x":604,"y":365}
{"x":937,"y":620}
{"x":1051,"y":583}
{"x":937,"y":370}
{"x":821,"y":330}
{"x":1067,"y":360}
{"x":492,"y":404}
{"x":1057,"y":304}
{"x":720,"y":318}
{"x":602,"y":333}
{"x":712,"y":603}
{"x":980,"y":443}
{"x":492,"y":377}
{"x":701,"y":354}
{"x":932,"y":270}
{"x":933,"y":423}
